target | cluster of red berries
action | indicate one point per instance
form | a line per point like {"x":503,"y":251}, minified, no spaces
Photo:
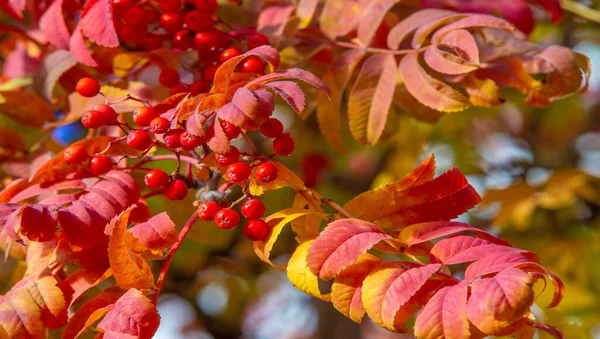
{"x":255,"y":229}
{"x":77,"y":155}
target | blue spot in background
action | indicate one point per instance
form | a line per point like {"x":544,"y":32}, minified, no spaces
{"x":68,"y":134}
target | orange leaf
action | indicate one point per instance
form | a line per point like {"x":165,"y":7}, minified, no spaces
{"x":20,"y":315}
{"x":82,"y":319}
{"x":26,"y":108}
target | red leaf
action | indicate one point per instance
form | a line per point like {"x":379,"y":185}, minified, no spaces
{"x":290,"y":92}
{"x":553,"y":331}
{"x":158,"y":233}
{"x":290,"y":74}
{"x":133,"y":315}
{"x":405,"y":27}
{"x":419,"y":233}
{"x":494,"y":263}
{"x":77,"y":323}
{"x":473,"y":21}
{"x":79,"y":49}
{"x":80,"y":281}
{"x":54,"y":27}
{"x":341,"y":244}
{"x":422,"y":35}
{"x":97,"y":23}
{"x":242,"y":109}
{"x":372,"y":19}
{"x":463,"y":248}
{"x":38,"y":223}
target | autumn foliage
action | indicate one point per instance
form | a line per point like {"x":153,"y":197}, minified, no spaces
{"x":187,"y":83}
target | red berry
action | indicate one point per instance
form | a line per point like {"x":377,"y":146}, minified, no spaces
{"x":266,"y":172}
{"x":176,"y":190}
{"x":227,"y":219}
{"x":253,"y":209}
{"x":92,"y":119}
{"x":229,"y":157}
{"x":110,"y":115}
{"x":198,"y":21}
{"x":284,"y":145}
{"x":169,"y":5}
{"x":75,"y":155}
{"x":207,"y":210}
{"x":199,"y":86}
{"x":231,"y":131}
{"x":130,"y":34}
{"x":271,"y":128}
{"x":257,"y":230}
{"x":207,"y":5}
{"x":173,"y":138}
{"x":179,"y":88}
{"x":151,"y":42}
{"x":168,"y":77}
{"x":190,"y":141}
{"x":239,"y":172}
{"x":182,"y":40}
{"x":139,"y":139}
{"x":256,"y":40}
{"x":209,"y":72}
{"x":100,"y":164}
{"x":211,"y":40}
{"x":151,"y":15}
{"x":136,"y":16}
{"x":143,"y":116}
{"x":120,"y":6}
{"x":156,"y":178}
{"x":171,"y":21}
{"x":87,"y":87}
{"x":229,"y":53}
{"x":253,"y":65}
{"x":207,"y":57}
{"x":159,"y":125}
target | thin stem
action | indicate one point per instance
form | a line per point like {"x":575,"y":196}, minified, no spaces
{"x":336,"y":207}
{"x":249,"y":143}
{"x":152,"y":193}
{"x":372,"y":49}
{"x":129,"y":97}
{"x":580,"y":10}
{"x":416,"y":259}
{"x":165,"y":268}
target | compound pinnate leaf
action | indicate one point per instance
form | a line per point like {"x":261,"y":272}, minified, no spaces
{"x":341,"y":244}
{"x":50,"y":299}
{"x":429,"y":91}
{"x":473,"y":21}
{"x":19,"y":106}
{"x":54,"y":27}
{"x":498,"y":305}
{"x":130,"y":269}
{"x":461,"y":248}
{"x":371,"y":98}
{"x":346,"y":291}
{"x":299,"y":274}
{"x":156,"y":234}
{"x":133,"y":315}
{"x":393,"y":292}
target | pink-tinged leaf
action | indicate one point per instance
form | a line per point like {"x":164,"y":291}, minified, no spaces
{"x":97,"y":23}
{"x":429,"y":91}
{"x":54,"y":27}
{"x":340,"y":18}
{"x":19,"y":63}
{"x":38,"y":223}
{"x":413,"y":107}
{"x":107,"y":188}
{"x":158,"y":233}
{"x":405,"y":27}
{"x":464,"y":45}
{"x":290,"y":74}
{"x":372,"y":19}
{"x":394,"y":292}
{"x":126,"y":182}
{"x":329,"y":108}
{"x":494,"y":263}
{"x":77,"y":224}
{"x":419,"y":233}
{"x":80,"y":281}
{"x":132,"y":315}
{"x":79,"y":320}
{"x":346,"y":291}
{"x":273,"y":20}
{"x":553,"y":331}
{"x":219,"y":141}
{"x":14,"y":8}
{"x":371,"y":98}
{"x":35,"y":190}
{"x":341,"y":244}
{"x":422,"y":35}
{"x":290,"y":92}
{"x":20,"y":316}
{"x":53,"y":66}
{"x":445,"y":62}
{"x":445,"y":315}
{"x":473,"y":21}
{"x":498,"y":305}
{"x":242,"y":108}
{"x":50,"y":300}
{"x":305,"y":9}
{"x":79,"y":49}
{"x":463,"y":248}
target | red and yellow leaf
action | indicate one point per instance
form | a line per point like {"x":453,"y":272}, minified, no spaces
{"x":299,"y":274}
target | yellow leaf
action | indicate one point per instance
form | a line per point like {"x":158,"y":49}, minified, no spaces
{"x":306,"y":228}
{"x":301,"y":276}
{"x":285,"y":178}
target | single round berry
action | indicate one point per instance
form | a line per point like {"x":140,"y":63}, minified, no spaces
{"x":209,"y":72}
{"x":199,"y":21}
{"x":169,"y":5}
{"x":227,"y":219}
{"x":211,"y":40}
{"x":182,"y":40}
{"x":139,"y":139}
{"x":75,"y":155}
{"x":229,"y":53}
{"x":143,"y":116}
{"x":176,"y":190}
{"x":151,"y":42}
{"x":253,"y":65}
{"x":266,"y":172}
{"x":253,"y":209}
{"x":239,"y":172}
{"x":130,"y":34}
{"x":168,"y":77}
{"x":256,"y":40}
{"x":159,"y":125}
{"x":152,"y":15}
{"x":173,"y":138}
{"x":284,"y":145}
{"x":156,"y":178}
{"x":110,"y":115}
{"x":179,"y":88}
{"x":207,"y":5}
{"x":231,"y":130}
{"x":136,"y":16}
{"x":257,"y":230}
{"x":87,"y":87}
{"x":92,"y":119}
{"x":229,"y":157}
{"x":190,"y":141}
{"x":171,"y":21}
{"x":271,"y":128}
{"x":208,"y":209}
{"x":199,"y":86}
{"x":100,"y":164}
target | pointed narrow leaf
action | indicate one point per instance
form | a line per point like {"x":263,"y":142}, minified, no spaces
{"x":54,"y":27}
{"x":372,"y":19}
{"x":79,"y":49}
{"x":445,"y":62}
{"x":97,"y":23}
{"x":158,"y":233}
{"x":290,"y":92}
{"x":419,"y":233}
{"x":405,"y":27}
{"x":290,"y":74}
{"x":472,"y":21}
{"x":305,"y":10}
{"x":464,"y":45}
{"x":20,"y":315}
{"x":78,"y":321}
{"x":133,"y":315}
{"x":494,"y":263}
{"x":464,"y":248}
{"x":299,"y":274}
